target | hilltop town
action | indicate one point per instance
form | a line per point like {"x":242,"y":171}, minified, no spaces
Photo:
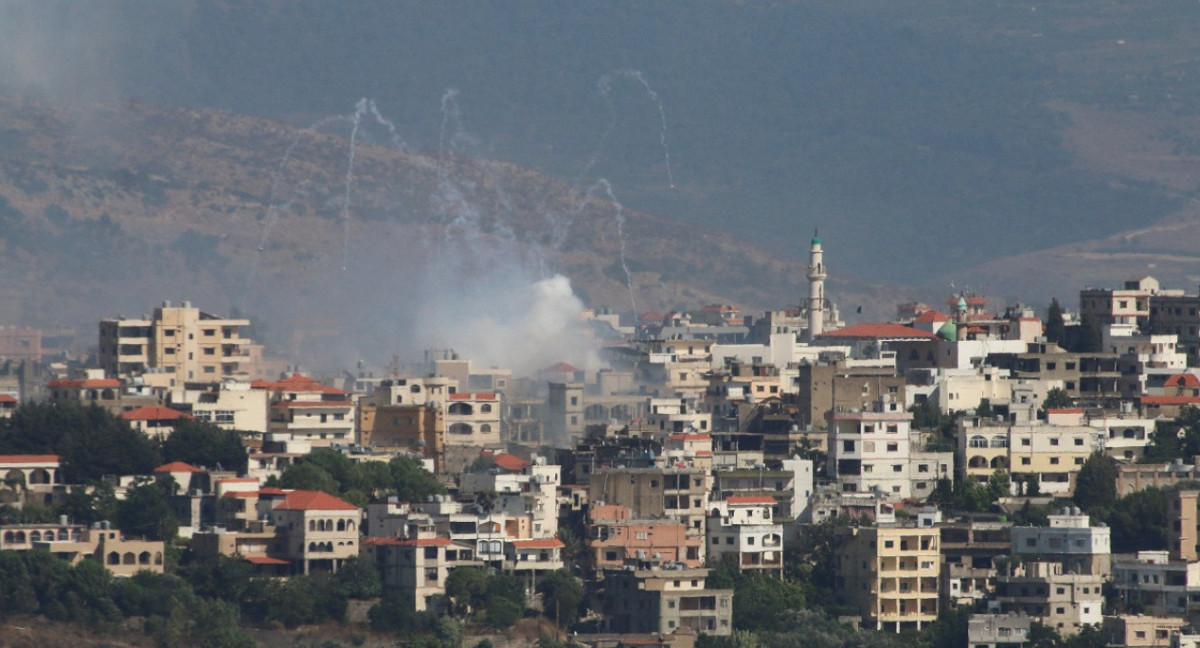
{"x":967,"y":473}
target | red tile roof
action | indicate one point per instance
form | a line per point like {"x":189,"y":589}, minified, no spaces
{"x":425,"y":542}
{"x":510,"y":462}
{"x":5,"y":398}
{"x":29,"y":459}
{"x":689,"y":437}
{"x":1182,"y":380}
{"x":1065,"y":410}
{"x":153,"y":413}
{"x":473,"y":396}
{"x":877,"y":331}
{"x":91,"y":382}
{"x":931,"y":316}
{"x":539,"y":543}
{"x":296,"y":383}
{"x":177,"y":466}
{"x":561,"y":367}
{"x":1170,"y":400}
{"x":309,"y":500}
{"x":242,"y":480}
{"x":264,"y":560}
{"x":750,"y":499}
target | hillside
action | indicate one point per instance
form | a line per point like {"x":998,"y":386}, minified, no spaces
{"x":137,"y":203}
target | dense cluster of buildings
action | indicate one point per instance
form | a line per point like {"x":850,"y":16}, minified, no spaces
{"x":707,"y":436}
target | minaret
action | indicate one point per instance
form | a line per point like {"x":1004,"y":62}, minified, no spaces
{"x":816,"y":289}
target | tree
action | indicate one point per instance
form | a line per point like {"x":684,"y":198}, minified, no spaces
{"x":561,"y":595}
{"x":1096,"y":484}
{"x":759,"y":602}
{"x":1056,"y":399}
{"x":309,"y":476}
{"x":146,"y":512}
{"x":1056,"y":327}
{"x":90,"y":440}
{"x":204,"y":444}
{"x":999,"y":485}
{"x":984,"y":409}
{"x":359,"y":579}
{"x":411,"y":482}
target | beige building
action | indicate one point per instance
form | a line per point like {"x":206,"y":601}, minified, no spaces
{"x":664,"y":600}
{"x":418,"y":566}
{"x":1139,"y":630}
{"x":75,"y":543}
{"x":308,"y":410}
{"x":1046,"y":452}
{"x":890,"y":573}
{"x":875,"y":451}
{"x":677,"y":493}
{"x":1056,"y":597}
{"x":185,"y":341}
{"x":320,"y":531}
{"x":228,"y":404}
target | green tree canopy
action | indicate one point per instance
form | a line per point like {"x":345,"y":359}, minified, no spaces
{"x":1056,"y":327}
{"x":204,"y":444}
{"x":146,"y":512}
{"x":1096,"y":484}
{"x":90,"y":440}
{"x":562,"y":594}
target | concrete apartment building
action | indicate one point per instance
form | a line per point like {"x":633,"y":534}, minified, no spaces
{"x":182,"y":340}
{"x":418,"y":566}
{"x":743,"y":529}
{"x":1158,"y":584}
{"x":998,"y":630}
{"x":876,"y":451}
{"x":1069,"y":540}
{"x":1139,"y":630}
{"x":664,"y":599}
{"x":227,"y":404}
{"x":614,"y":538}
{"x":1129,"y":304}
{"x":1063,"y":600}
{"x":1050,"y":453}
{"x":473,"y":419}
{"x":890,"y":574}
{"x":306,"y":409}
{"x":842,"y":385}
{"x":1178,"y":314}
{"x":679,"y":493}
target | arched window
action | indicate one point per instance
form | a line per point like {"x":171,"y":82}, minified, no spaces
{"x":999,"y":462}
{"x":999,"y":441}
{"x":76,"y":535}
{"x":416,"y":389}
{"x":312,"y":525}
{"x":462,"y":409}
{"x":114,"y":558}
{"x":312,"y":546}
{"x":461,"y":428}
{"x":62,"y":535}
{"x":144,"y":558}
{"x":341,"y":525}
{"x":21,"y":537}
{"x":485,"y":428}
{"x":978,"y":441}
{"x":39,"y":476}
{"x":977,"y":462}
{"x":350,"y":525}
{"x":129,"y":558}
{"x":157,"y":557}
{"x":485,"y":408}
{"x":35,"y":536}
{"x":9,"y":537}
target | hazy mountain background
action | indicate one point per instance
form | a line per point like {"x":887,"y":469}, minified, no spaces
{"x":1017,"y":148}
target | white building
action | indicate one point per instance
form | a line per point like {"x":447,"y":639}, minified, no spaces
{"x":877,"y":452}
{"x":1070,"y":540}
{"x":742,"y":527}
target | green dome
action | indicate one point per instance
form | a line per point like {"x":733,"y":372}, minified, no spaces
{"x":816,"y":241}
{"x":949,"y":331}
{"x":962,"y":303}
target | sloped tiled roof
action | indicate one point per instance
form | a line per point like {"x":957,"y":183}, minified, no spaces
{"x":931,"y":316}
{"x":473,"y":396}
{"x":510,"y":462}
{"x":561,"y":367}
{"x":309,"y":500}
{"x":177,"y":466}
{"x":29,"y":459}
{"x":5,"y":398}
{"x":90,"y":382}
{"x":539,"y":543}
{"x":297,"y":383}
{"x":153,"y":413}
{"x":1182,"y":380}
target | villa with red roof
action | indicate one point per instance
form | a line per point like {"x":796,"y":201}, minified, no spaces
{"x":8,"y":405}
{"x":153,"y":420}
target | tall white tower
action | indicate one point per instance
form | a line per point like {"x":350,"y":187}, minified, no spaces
{"x":816,"y":289}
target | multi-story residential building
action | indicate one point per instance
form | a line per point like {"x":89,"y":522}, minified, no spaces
{"x":1183,"y":524}
{"x":228,"y":404}
{"x":742,"y":528}
{"x":677,"y":415}
{"x":1135,"y":477}
{"x":473,"y":419}
{"x":1050,"y":453}
{"x":842,"y":385}
{"x":614,"y":538}
{"x":112,"y":394}
{"x":789,"y":484}
{"x":418,"y":566}
{"x":664,"y":599}
{"x":564,"y":416}
{"x":998,"y":630}
{"x":890,"y":574}
{"x":532,"y":559}
{"x":678,"y":493}
{"x":1130,"y":305}
{"x":1178,"y":314}
{"x":306,"y":409}
{"x":875,"y":451}
{"x":1125,"y":436}
{"x":320,"y":531}
{"x":1095,"y":377}
{"x":1139,"y":630}
{"x":1158,"y":584}
{"x":1063,"y":600}
{"x":188,"y":343}
{"x":1070,"y":540}
{"x":75,"y":543}
{"x":523,"y":488}
{"x":970,"y":547}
